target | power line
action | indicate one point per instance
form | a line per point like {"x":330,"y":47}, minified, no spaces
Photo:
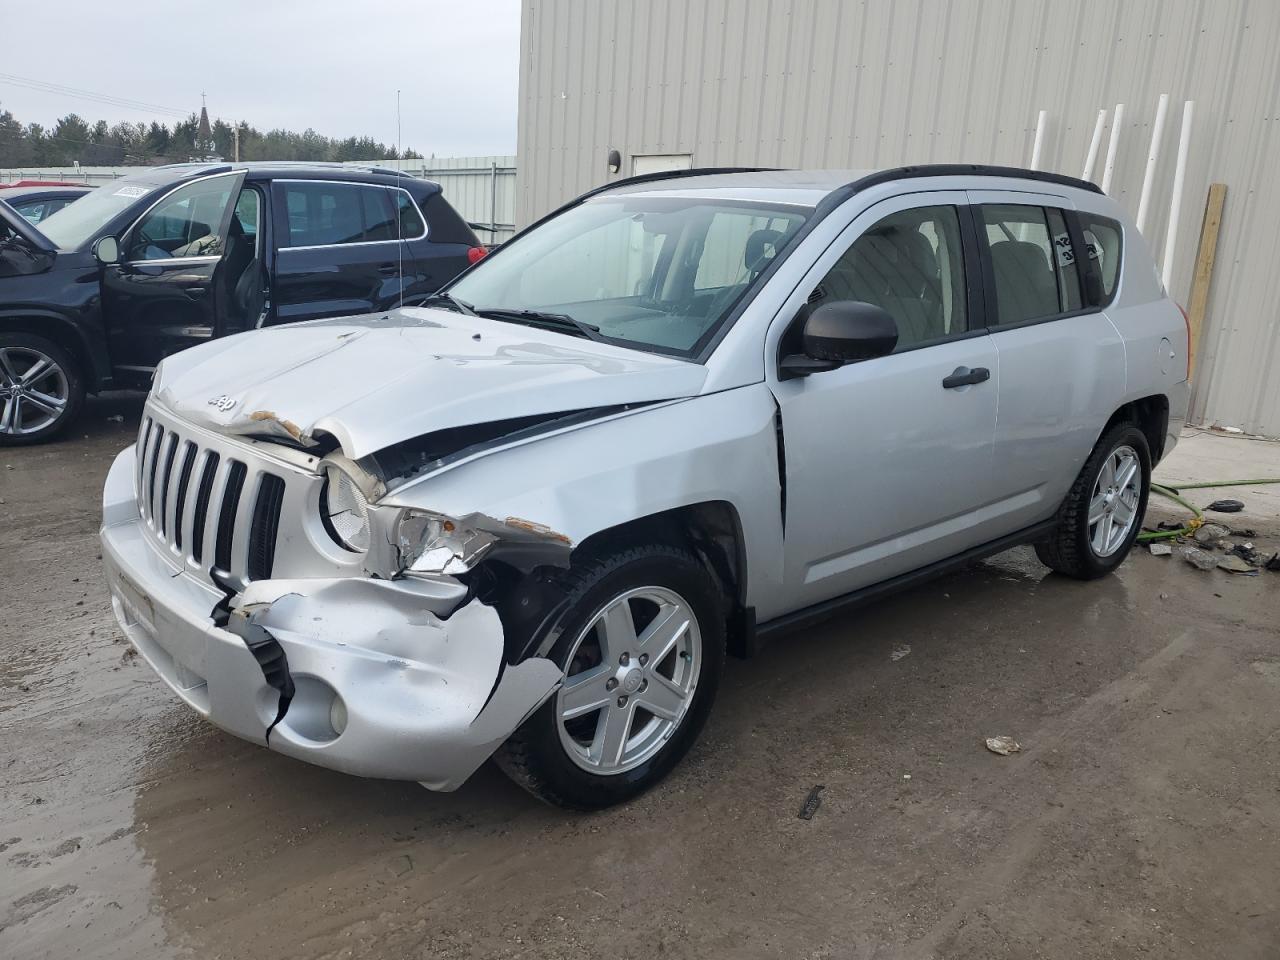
{"x":46,"y":86}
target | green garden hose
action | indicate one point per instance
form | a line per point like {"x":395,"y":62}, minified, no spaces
{"x":1171,"y":491}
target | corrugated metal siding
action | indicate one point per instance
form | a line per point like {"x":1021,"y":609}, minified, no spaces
{"x":482,"y":189}
{"x":823,"y":83}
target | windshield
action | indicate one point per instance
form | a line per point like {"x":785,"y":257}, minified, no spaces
{"x":652,"y":272}
{"x":77,"y":223}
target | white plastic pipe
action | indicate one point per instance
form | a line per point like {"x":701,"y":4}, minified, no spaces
{"x":1092,"y":157}
{"x":1038,"y":144}
{"x":1175,"y":206}
{"x":1153,"y":154}
{"x":1113,"y":145}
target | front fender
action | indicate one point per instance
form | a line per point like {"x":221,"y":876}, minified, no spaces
{"x":718,"y":447}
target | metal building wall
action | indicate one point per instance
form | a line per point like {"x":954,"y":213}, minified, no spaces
{"x":825,"y":83}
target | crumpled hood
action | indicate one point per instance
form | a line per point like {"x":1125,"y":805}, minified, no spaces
{"x":378,"y":379}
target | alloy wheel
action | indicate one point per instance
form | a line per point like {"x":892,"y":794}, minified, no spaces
{"x":1113,"y":507}
{"x":630,"y":679}
{"x":34,"y":390}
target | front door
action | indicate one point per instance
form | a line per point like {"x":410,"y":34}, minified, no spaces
{"x":162,"y":296}
{"x":888,"y":461}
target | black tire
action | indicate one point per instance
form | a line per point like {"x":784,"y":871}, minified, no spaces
{"x":535,"y":757}
{"x":1069,"y":550}
{"x":75,"y":388}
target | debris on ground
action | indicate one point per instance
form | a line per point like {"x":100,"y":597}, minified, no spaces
{"x":1226,"y":506}
{"x":1249,"y":554}
{"x":1201,"y":559}
{"x":812,"y":802}
{"x":116,"y":418}
{"x":1233,"y":563}
{"x":1003,"y":745}
{"x":1274,"y":563}
{"x":899,"y":652}
{"x":1211,"y":533}
{"x":1160,"y":549}
{"x":1170,"y":525}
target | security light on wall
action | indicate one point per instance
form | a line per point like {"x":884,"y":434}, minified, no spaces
{"x":615,"y":160}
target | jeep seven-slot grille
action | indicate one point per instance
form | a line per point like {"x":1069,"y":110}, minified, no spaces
{"x":212,"y":511}
{"x":266,"y":523}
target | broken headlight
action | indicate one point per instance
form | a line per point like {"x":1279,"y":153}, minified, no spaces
{"x":434,"y":544}
{"x":344,"y":509}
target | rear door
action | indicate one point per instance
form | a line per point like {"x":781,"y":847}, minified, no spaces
{"x":1061,"y":361}
{"x":888,"y":467}
{"x":337,"y":251}
{"x":161,"y":297}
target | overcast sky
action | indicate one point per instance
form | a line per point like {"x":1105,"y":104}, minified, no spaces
{"x":333,"y":65}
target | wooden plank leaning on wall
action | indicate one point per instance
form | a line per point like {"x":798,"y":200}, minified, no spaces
{"x":1206,"y":254}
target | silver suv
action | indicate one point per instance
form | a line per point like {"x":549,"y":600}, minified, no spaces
{"x":681,"y":414}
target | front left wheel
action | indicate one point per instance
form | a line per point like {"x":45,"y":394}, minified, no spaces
{"x":642,"y":646}
{"x":40,"y":389}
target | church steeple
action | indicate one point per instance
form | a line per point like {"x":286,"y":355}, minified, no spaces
{"x":205,"y":148}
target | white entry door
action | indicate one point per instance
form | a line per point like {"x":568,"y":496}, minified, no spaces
{"x":660,"y":163}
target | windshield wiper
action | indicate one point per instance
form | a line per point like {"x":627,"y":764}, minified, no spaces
{"x":450,"y":301}
{"x":539,"y":318}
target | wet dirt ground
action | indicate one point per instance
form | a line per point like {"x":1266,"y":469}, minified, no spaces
{"x":1142,"y":817}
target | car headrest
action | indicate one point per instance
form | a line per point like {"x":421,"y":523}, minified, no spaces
{"x":762,"y":246}
{"x":1020,"y":256}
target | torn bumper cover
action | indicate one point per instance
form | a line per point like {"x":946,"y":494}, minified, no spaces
{"x":388,"y":679}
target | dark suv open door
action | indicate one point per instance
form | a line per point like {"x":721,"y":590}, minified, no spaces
{"x":166,"y":291}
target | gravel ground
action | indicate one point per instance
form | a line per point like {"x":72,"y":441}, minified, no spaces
{"x":1140,"y":818}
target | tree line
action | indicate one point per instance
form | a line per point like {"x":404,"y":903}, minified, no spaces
{"x":100,"y":144}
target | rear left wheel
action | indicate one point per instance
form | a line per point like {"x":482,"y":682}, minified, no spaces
{"x":1101,"y":516}
{"x":642,"y":644}
{"x":40,"y":389}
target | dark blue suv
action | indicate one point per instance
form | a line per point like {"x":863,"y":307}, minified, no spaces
{"x":102,"y":290}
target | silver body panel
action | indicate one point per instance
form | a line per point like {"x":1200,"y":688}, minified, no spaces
{"x":881,"y":472}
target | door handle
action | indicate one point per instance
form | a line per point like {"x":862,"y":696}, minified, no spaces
{"x":963,"y":376}
{"x":195,"y":293}
{"x":388,"y":269}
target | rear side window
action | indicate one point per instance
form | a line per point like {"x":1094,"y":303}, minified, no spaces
{"x":411,"y":225}
{"x":1103,"y":237}
{"x":332,"y":214}
{"x":1034,"y":263}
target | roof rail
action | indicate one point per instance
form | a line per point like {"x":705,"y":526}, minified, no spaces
{"x":671,"y":175}
{"x":972,"y":170}
{"x":646,"y":178}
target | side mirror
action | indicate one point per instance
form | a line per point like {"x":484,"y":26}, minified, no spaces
{"x":840,"y":332}
{"x":106,"y":250}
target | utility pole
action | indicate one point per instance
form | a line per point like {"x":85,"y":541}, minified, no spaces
{"x":235,"y":138}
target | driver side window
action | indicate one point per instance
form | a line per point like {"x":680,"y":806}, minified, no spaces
{"x":186,"y":223}
{"x":910,"y":264}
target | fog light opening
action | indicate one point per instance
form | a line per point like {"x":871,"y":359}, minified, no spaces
{"x":316,"y":713}
{"x":338,"y":715}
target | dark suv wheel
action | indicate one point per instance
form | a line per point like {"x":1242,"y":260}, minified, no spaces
{"x":642,"y":645}
{"x":40,"y":389}
{"x":1101,"y":516}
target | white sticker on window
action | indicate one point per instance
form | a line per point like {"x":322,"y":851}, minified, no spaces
{"x":1062,"y":246}
{"x":134,"y":192}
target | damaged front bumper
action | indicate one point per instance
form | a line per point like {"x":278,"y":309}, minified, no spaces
{"x":377,"y":678}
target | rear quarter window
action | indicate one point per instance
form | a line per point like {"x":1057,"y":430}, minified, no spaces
{"x":1104,"y":239}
